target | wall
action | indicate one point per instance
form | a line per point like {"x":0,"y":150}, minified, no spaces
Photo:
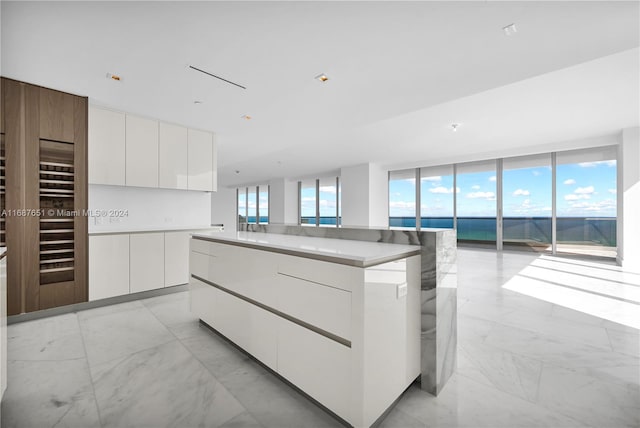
{"x":223,"y":208}
{"x":148,"y":208}
{"x":283,"y":201}
{"x":629,"y":200}
{"x":365,"y":196}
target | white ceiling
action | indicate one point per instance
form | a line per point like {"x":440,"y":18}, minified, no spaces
{"x":400,"y":74}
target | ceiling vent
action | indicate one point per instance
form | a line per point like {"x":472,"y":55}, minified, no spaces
{"x":217,"y":77}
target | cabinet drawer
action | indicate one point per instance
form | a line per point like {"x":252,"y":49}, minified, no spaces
{"x":202,"y":300}
{"x":325,"y":307}
{"x":199,"y":264}
{"x":248,"y":326}
{"x":317,"y":365}
{"x":332,"y":274}
{"x":199,"y":245}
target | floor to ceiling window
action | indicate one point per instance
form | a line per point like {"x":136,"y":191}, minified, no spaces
{"x":242,"y":204}
{"x":586,"y":201}
{"x":402,"y":198}
{"x":252,"y":204}
{"x":436,"y":196}
{"x":509,"y":202}
{"x":328,"y":202}
{"x":319,"y":202}
{"x":527,"y":201}
{"x":476,"y":202}
{"x":308,"y":202}
{"x":263,"y":204}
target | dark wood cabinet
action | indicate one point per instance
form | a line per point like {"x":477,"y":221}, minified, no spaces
{"x":45,"y":157}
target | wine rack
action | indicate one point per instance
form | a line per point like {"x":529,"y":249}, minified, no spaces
{"x":57,"y":212}
{"x":3,"y":222}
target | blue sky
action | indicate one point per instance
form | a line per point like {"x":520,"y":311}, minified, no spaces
{"x":586,"y":189}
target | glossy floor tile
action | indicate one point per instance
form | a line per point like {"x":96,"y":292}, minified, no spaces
{"x":542,"y":342}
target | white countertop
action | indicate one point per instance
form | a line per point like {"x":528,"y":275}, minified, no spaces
{"x":152,"y":229}
{"x":343,"y":251}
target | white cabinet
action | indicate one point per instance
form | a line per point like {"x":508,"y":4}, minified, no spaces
{"x":201,"y":154}
{"x":142,"y":152}
{"x":147,"y":259}
{"x":108,"y":266}
{"x":172,"y":160}
{"x":106,"y":147}
{"x":128,"y":150}
{"x":176,"y":258}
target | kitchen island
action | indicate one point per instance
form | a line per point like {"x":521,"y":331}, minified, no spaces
{"x":339,"y":319}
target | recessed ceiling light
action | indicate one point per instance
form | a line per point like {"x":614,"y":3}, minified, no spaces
{"x":197,"y":102}
{"x":454,"y":127}
{"x":245,"y":117}
{"x":321,"y":77}
{"x":510,"y":30}
{"x":114,"y":77}
{"x":237,"y":171}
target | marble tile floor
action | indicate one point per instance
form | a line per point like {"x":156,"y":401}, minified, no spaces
{"x":534,"y":350}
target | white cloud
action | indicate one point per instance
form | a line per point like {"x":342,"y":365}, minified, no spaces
{"x":613,"y":191}
{"x":584,"y":190}
{"x":402,"y":204}
{"x":492,"y":178}
{"x":482,"y":195}
{"x":476,"y":187}
{"x":442,"y":189}
{"x":594,"y":164}
{"x":434,"y":178}
{"x":521,"y":192}
{"x":569,"y":181}
{"x":574,"y":197}
{"x":328,"y":189}
{"x":535,"y":172}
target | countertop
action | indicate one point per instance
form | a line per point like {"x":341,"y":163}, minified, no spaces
{"x":213,"y":228}
{"x":343,"y":251}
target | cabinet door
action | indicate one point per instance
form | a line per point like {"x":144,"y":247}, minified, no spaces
{"x":142,"y":152}
{"x":176,"y":258}
{"x":106,"y":147}
{"x":108,"y":266}
{"x":200,"y":160}
{"x":329,"y":379}
{"x":172,"y":156}
{"x":146,"y":271}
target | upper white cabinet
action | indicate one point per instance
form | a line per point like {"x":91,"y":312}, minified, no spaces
{"x":201,"y":161}
{"x":142,"y":151}
{"x":106,"y":147}
{"x":172,"y":156}
{"x":128,"y":150}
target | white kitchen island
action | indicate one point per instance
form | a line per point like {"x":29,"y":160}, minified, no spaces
{"x":339,"y":319}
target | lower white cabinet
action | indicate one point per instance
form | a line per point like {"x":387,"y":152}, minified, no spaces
{"x":146,"y":270}
{"x":176,"y":258}
{"x":125,"y":263}
{"x":108,"y":266}
{"x":342,"y":334}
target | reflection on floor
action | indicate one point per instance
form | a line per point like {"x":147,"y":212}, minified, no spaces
{"x":530,"y":355}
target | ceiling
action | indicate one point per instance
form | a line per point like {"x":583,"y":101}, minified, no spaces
{"x":399,"y":74}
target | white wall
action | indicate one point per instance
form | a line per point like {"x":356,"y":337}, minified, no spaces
{"x":223,"y":208}
{"x":148,"y":208}
{"x":629,"y":200}
{"x":364,"y":196}
{"x":283,"y":201}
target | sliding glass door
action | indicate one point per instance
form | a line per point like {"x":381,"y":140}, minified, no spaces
{"x":527,"y":199}
{"x":476,"y":202}
{"x":586,"y":201}
{"x":402,"y":198}
{"x":436,"y":196}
